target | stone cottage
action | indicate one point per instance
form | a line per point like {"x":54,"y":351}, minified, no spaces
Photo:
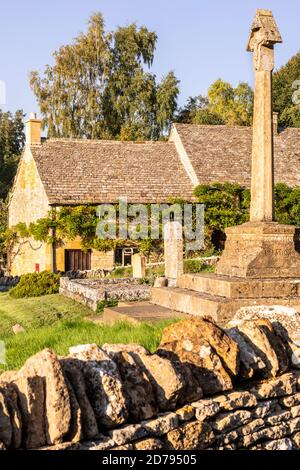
{"x":64,"y":172}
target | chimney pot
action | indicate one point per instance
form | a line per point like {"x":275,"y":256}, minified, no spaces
{"x":33,"y":130}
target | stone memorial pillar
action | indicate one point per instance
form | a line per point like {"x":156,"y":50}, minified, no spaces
{"x":173,"y":252}
{"x":264,"y":35}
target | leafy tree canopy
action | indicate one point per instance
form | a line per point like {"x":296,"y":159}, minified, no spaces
{"x":11,"y":143}
{"x":286,"y":92}
{"x":223,"y":104}
{"x":99,"y":86}
{"x":228,"y":204}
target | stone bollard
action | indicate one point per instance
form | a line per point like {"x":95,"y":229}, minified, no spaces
{"x":139,"y":266}
{"x":173,"y":251}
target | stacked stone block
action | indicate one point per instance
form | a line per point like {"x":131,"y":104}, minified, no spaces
{"x":204,"y":388}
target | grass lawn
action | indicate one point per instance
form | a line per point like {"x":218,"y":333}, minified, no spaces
{"x":56,"y":322}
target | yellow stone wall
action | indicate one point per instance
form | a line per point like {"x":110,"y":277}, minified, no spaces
{"x":28,"y":203}
{"x":102,"y":259}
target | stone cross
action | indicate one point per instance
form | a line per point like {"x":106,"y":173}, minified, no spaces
{"x":264,"y":34}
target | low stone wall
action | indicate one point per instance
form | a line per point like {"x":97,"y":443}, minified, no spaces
{"x":204,"y":388}
{"x":92,"y":291}
{"x":265,"y":417}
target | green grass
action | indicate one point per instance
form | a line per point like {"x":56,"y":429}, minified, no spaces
{"x":120,"y":272}
{"x":36,"y":312}
{"x":58,"y":323}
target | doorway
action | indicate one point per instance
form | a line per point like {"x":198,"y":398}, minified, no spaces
{"x":77,"y":260}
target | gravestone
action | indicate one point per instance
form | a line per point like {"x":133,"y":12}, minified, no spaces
{"x":139,"y":266}
{"x":173,"y":252}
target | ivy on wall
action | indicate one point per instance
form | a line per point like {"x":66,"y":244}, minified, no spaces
{"x":70,"y":223}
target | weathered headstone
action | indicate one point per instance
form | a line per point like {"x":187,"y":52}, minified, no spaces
{"x":173,"y":251}
{"x":139,"y":266}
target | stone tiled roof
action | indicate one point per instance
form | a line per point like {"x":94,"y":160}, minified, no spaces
{"x":222,"y":153}
{"x":82,"y":171}
{"x":86,"y":171}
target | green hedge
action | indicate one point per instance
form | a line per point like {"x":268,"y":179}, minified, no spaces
{"x":36,"y":285}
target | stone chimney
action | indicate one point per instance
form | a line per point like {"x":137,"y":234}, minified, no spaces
{"x":33,"y":130}
{"x":275,"y":123}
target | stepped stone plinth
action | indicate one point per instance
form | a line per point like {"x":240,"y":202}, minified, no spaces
{"x":260,"y":250}
{"x":220,"y":297}
{"x":240,"y":288}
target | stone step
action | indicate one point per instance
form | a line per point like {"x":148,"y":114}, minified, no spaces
{"x":220,"y":309}
{"x":188,"y":301}
{"x":240,"y":288}
{"x":135,"y":312}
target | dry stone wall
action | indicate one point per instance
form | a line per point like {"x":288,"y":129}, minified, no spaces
{"x":204,"y":388}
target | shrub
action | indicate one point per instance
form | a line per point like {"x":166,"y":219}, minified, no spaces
{"x":196,"y":266}
{"x":155,"y":271}
{"x":120,"y":272}
{"x":36,"y":285}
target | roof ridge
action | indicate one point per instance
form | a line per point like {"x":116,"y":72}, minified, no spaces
{"x":104,"y":141}
{"x":226,"y":126}
{"x":213,"y":126}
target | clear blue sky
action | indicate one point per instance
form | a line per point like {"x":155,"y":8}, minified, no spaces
{"x":201,"y":40}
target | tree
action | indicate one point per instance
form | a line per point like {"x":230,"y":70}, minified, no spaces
{"x":287,"y":204}
{"x":3,"y":228}
{"x":11,"y":144}
{"x":223,"y":104}
{"x":197,"y":111}
{"x":286,"y":95}
{"x":226,"y":204}
{"x":98,"y":86}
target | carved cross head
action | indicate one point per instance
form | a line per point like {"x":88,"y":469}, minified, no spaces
{"x":264,"y":34}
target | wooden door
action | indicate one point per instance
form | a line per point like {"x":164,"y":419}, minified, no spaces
{"x":77,"y":260}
